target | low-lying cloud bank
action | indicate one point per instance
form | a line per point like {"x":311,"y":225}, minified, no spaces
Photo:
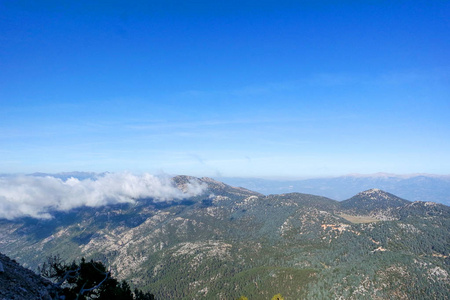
{"x":36,"y":196}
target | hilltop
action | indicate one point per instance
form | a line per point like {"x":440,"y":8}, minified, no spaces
{"x":414,"y":187}
{"x":227,"y":241}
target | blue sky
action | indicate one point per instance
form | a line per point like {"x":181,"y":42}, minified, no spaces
{"x":249,"y":88}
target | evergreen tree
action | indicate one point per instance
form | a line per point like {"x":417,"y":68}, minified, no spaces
{"x":88,"y":280}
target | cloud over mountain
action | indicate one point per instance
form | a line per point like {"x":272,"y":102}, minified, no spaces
{"x":36,"y":196}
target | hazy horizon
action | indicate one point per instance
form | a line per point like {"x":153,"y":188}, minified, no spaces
{"x":85,"y":174}
{"x":38,"y":195}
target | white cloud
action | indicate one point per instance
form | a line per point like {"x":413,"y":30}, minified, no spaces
{"x":36,"y":196}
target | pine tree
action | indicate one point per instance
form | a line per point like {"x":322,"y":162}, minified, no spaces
{"x":88,"y":280}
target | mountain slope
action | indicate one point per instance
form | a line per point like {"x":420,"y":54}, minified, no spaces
{"x":414,"y":187}
{"x":372,"y":201}
{"x":17,"y":282}
{"x":228,"y":242}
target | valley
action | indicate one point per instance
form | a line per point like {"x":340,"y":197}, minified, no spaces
{"x":229,"y":242}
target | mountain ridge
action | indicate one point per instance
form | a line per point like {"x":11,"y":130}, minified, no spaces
{"x":226,"y":242}
{"x":414,"y":187}
{"x":372,"y":200}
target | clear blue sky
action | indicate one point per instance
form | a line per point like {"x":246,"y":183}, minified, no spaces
{"x":242,"y":88}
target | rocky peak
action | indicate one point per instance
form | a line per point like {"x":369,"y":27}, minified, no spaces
{"x":183,"y":179}
{"x":185,"y":182}
{"x":375,"y":194}
{"x":373,"y":200}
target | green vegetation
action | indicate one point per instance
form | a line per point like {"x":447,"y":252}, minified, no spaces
{"x":87,"y":280}
{"x":230,"y":243}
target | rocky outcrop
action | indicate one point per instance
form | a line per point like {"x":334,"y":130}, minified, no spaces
{"x":19,"y":283}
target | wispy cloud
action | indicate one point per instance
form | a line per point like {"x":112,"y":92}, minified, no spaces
{"x":37,"y":196}
{"x":393,"y":77}
{"x":387,"y":78}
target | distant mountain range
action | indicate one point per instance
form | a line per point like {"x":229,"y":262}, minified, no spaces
{"x":229,"y":242}
{"x":415,"y":187}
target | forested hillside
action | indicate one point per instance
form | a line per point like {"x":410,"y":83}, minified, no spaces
{"x":230,"y":242}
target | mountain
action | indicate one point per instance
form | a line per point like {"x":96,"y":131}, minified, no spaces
{"x":227,"y":242}
{"x":372,"y":201}
{"x":17,"y":282}
{"x":414,"y":187}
